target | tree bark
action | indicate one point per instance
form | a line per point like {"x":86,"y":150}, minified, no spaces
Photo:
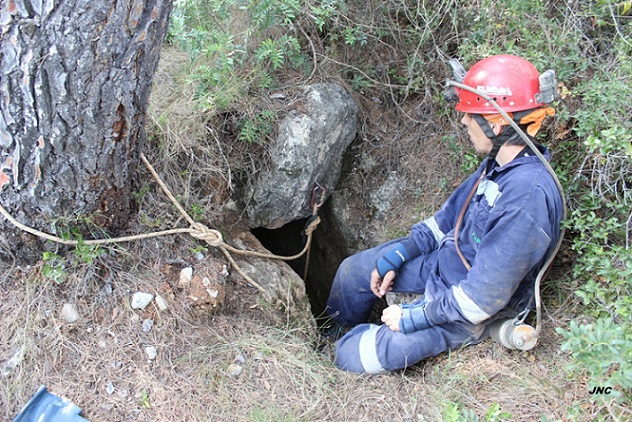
{"x":75,"y":76}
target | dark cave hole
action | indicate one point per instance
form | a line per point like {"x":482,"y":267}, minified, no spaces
{"x":327,"y":252}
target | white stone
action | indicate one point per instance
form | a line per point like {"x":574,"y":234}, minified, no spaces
{"x":240,"y":358}
{"x":13,"y":362}
{"x":161,"y":303}
{"x":151,"y":352}
{"x":185,"y":276}
{"x":109,"y":388}
{"x":234,"y":370}
{"x":147,"y":325}
{"x":140,"y":300}
{"x":69,"y":313}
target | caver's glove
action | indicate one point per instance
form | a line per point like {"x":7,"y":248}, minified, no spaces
{"x":392,"y":260}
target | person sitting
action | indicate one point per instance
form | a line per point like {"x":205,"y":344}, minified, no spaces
{"x":476,"y":259}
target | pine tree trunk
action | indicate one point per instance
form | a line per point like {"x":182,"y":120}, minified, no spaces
{"x":75,"y":80}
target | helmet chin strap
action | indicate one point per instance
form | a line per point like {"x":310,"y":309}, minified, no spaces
{"x":499,"y":140}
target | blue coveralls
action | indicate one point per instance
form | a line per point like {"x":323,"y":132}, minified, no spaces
{"x":510,"y":228}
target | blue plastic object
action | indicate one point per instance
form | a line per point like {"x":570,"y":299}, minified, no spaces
{"x":47,"y":407}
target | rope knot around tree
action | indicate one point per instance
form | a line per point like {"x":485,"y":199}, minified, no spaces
{"x":195,"y":229}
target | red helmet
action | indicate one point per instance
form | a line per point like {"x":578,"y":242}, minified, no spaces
{"x":513,"y":82}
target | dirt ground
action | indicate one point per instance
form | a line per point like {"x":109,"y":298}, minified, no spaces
{"x":235,"y":358}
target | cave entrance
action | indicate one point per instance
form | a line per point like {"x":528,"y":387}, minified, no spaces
{"x":327,"y":252}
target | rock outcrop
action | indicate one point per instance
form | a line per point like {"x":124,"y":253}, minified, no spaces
{"x":309,"y":149}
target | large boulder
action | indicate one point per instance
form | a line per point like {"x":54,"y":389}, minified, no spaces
{"x":308,"y":150}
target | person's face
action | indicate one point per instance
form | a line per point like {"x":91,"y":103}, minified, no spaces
{"x":481,"y":143}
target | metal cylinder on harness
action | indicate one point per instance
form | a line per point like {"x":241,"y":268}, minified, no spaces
{"x":513,"y":336}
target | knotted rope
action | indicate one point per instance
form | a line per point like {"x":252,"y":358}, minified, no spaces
{"x":197,"y":230}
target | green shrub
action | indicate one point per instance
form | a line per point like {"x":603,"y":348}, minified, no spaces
{"x":258,"y":128}
{"x":602,"y":350}
{"x":236,"y":46}
{"x":596,"y":164}
{"x":53,"y":267}
{"x":452,"y":412}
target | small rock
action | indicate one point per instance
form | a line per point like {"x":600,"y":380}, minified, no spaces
{"x":13,"y":362}
{"x":206,"y":290}
{"x":107,"y":289}
{"x":69,"y":313}
{"x":140,"y":300}
{"x":185,"y":276}
{"x":147,"y":325}
{"x":161,"y":303}
{"x":151,"y":352}
{"x":234,"y":370}
{"x":109,"y":388}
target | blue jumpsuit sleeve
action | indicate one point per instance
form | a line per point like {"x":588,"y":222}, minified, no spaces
{"x":510,"y":249}
{"x":426,"y":236}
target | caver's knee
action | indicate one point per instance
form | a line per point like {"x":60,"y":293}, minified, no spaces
{"x":356,"y":351}
{"x":396,"y":350}
{"x":350,"y":267}
{"x":373,"y":349}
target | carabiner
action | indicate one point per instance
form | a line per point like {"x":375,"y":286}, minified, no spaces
{"x":520,"y":318}
{"x":318,"y":196}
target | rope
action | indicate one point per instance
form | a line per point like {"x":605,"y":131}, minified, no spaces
{"x":311,"y":227}
{"x":459,"y":221}
{"x":197,"y":230}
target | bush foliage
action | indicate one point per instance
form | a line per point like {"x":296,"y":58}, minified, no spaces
{"x":396,"y":51}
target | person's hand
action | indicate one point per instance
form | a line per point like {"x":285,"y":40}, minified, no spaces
{"x":379,"y":285}
{"x":391,"y":317}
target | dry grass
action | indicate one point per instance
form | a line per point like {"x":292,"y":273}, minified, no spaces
{"x":183,"y":145}
{"x":284,"y":378}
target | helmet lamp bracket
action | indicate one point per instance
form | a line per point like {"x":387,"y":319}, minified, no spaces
{"x":458,"y":74}
{"x":548,"y":88}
